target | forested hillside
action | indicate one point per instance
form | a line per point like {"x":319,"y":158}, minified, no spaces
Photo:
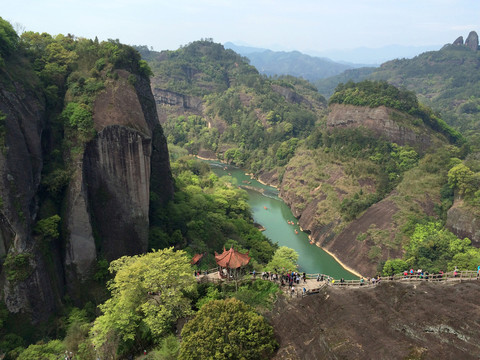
{"x":246,"y":118}
{"x":99,"y":221}
{"x":347,"y":173}
{"x":447,"y":80}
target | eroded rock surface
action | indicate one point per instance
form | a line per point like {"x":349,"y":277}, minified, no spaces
{"x":472,"y":41}
{"x":463,"y":222}
{"x":381,"y":121}
{"x":390,"y":321}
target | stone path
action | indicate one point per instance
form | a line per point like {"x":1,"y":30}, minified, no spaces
{"x":312,"y":286}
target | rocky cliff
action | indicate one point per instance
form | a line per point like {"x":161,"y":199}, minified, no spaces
{"x":110,"y":191}
{"x":391,"y":124}
{"x":106,"y":205}
{"x":463,"y":221}
{"x":26,"y":282}
{"x":169,"y":102}
{"x":472,"y":41}
{"x":317,"y":214}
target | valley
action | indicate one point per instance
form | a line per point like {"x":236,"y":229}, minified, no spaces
{"x":107,"y":218}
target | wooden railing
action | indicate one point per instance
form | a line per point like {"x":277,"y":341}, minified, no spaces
{"x":326,"y":280}
{"x":449,"y":276}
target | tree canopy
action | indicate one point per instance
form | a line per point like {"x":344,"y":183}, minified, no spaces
{"x":148,"y":292}
{"x":434,"y":248}
{"x":227,"y":329}
{"x":8,"y":39}
{"x":284,"y":259}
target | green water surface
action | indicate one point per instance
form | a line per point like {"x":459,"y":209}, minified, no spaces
{"x":273,"y":214}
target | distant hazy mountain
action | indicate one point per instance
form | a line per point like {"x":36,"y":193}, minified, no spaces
{"x":243,"y":49}
{"x":290,"y":63}
{"x":373,"y":56}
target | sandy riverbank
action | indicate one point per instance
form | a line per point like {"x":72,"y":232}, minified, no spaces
{"x":204,"y":158}
{"x":338,"y":260}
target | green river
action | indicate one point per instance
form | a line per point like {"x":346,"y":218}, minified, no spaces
{"x":273,"y":214}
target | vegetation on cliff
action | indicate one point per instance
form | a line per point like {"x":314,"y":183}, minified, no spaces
{"x":8,"y":40}
{"x":378,"y":93}
{"x":71,"y":72}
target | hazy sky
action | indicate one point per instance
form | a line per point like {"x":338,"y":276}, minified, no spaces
{"x":296,"y":24}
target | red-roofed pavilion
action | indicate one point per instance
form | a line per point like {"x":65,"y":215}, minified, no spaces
{"x":196,"y":259}
{"x":230,"y":261}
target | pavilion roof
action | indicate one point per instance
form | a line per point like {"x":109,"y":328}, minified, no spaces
{"x":196,"y":258}
{"x":232,"y":259}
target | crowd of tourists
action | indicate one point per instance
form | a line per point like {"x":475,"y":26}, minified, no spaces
{"x":289,"y":280}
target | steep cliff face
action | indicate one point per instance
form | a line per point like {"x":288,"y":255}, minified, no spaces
{"x":170,"y":101}
{"x":316,"y":214}
{"x":109,"y":194}
{"x":117,"y":169}
{"x":391,"y":124}
{"x":27,"y":285}
{"x":464,"y":222}
{"x":291,"y":96}
{"x":107,"y":200}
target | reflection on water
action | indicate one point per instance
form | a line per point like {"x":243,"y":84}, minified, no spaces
{"x":281,"y":226}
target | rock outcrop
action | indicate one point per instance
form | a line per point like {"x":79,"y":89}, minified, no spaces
{"x":463,"y":222}
{"x":381,"y":121}
{"x":291,"y":96}
{"x":108,"y":194}
{"x":30,"y":289}
{"x":472,"y":41}
{"x":390,"y":321}
{"x":458,"y":41}
{"x":350,"y":250}
{"x":166,"y":100}
{"x":117,"y":169}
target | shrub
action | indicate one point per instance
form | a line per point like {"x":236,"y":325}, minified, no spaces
{"x":17,"y":266}
{"x":52,"y":350}
{"x":48,"y":228}
{"x":8,"y":38}
{"x":393,"y":267}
